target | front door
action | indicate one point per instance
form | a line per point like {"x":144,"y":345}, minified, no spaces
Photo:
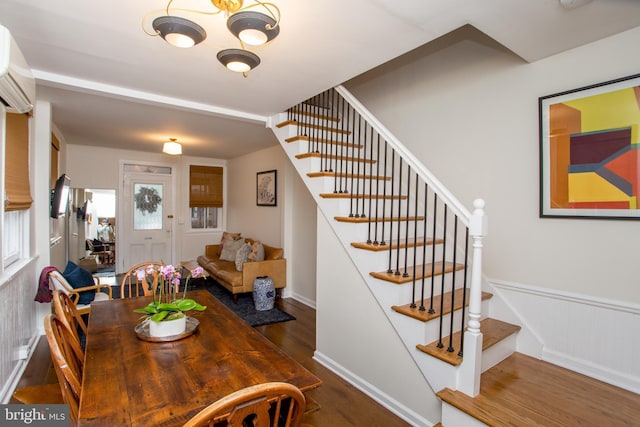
{"x":147,"y":218}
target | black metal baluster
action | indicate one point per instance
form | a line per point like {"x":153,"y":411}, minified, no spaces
{"x":397,"y":272}
{"x":384,"y":193}
{"x":393,"y":171}
{"x":377,"y":217}
{"x":415,"y":247}
{"x":407,"y":221}
{"x":453,"y":283}
{"x":444,"y":252}
{"x":433,"y":252}
{"x":424,"y":246}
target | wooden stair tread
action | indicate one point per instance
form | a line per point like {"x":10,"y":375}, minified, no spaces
{"x":379,"y":247}
{"x":297,"y":138}
{"x":424,"y":315}
{"x":332,"y":174}
{"x":333,"y":156}
{"x":360,"y":196}
{"x":522,"y":390}
{"x":313,"y":126}
{"x":493,"y":331}
{"x":361,"y":220}
{"x":420,"y":272}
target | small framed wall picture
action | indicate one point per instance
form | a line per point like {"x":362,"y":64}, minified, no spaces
{"x":267,"y":188}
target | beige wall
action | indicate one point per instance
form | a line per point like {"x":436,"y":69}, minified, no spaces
{"x":290,"y":224}
{"x":467,"y":108}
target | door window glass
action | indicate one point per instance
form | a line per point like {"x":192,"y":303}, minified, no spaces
{"x":147,"y":212}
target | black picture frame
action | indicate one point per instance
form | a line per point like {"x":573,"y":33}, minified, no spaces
{"x":267,"y":188}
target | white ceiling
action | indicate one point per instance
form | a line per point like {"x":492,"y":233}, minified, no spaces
{"x":111,"y":84}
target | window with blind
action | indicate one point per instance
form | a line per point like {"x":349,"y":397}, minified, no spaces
{"x":17,"y":189}
{"x":205,"y":196}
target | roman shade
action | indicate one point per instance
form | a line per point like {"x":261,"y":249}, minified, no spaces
{"x":205,"y":186}
{"x":16,"y":185}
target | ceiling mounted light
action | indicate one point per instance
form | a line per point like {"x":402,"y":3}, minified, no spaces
{"x":253,"y":28}
{"x":179,"y":32}
{"x":250,"y":26}
{"x":172,"y":147}
{"x":238,"y":60}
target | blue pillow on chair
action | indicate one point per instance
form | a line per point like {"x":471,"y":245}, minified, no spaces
{"x":78,"y":277}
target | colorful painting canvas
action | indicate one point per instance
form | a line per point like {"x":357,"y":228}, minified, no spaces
{"x":589,"y":147}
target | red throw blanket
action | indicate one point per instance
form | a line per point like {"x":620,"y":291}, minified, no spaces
{"x":44,"y":292}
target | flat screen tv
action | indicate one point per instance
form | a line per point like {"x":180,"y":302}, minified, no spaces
{"x":60,"y":196}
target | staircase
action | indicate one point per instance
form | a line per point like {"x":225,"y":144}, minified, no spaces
{"x":400,"y":226}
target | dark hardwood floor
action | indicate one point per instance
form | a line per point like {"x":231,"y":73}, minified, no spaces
{"x":340,"y":404}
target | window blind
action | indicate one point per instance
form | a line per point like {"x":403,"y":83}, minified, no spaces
{"x":16,"y":174}
{"x":205,"y":183}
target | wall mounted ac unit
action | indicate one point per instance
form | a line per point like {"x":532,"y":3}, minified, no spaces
{"x":17,"y":85}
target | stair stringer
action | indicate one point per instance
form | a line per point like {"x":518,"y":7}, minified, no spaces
{"x":436,"y":373}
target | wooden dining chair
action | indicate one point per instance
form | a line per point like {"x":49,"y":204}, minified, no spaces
{"x":57,"y":280}
{"x":67,"y":360}
{"x":132,"y":286}
{"x":263,"y":405}
{"x":66,"y":311}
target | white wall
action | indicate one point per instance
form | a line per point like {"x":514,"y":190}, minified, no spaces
{"x":467,"y":108}
{"x":290,"y":224}
{"x":98,"y":168}
{"x":355,"y":339}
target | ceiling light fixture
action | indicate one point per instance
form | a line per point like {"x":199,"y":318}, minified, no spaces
{"x":172,"y":147}
{"x":252,"y":27}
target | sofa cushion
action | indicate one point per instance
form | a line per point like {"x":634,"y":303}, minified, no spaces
{"x":230,"y":248}
{"x":232,"y":277}
{"x":78,"y":277}
{"x":241,"y":255}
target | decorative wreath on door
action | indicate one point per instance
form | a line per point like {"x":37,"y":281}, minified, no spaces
{"x":147,"y":200}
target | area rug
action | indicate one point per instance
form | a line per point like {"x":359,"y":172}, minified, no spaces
{"x":244,"y":309}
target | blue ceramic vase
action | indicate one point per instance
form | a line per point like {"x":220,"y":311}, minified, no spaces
{"x":264,"y":293}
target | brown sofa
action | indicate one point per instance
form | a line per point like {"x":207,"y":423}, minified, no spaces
{"x":238,"y":282}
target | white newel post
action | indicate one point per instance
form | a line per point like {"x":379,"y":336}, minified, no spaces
{"x":471,"y":367}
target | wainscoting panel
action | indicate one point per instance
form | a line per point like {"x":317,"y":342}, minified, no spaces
{"x":17,"y":328}
{"x":594,"y":336}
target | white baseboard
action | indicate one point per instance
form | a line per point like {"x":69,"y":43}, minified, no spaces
{"x":306,"y":301}
{"x":16,"y":375}
{"x":370,"y":390}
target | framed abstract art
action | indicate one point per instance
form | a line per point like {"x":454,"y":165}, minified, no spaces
{"x":589,"y":151}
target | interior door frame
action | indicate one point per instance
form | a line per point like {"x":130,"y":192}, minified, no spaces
{"x":120,"y":205}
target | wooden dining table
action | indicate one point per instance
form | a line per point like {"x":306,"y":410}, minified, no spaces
{"x":129,"y":381}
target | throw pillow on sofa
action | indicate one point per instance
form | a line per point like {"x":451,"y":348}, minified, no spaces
{"x":78,"y":277}
{"x":227,"y":236}
{"x":230,"y":249}
{"x":257,"y":252}
{"x":241,"y":255}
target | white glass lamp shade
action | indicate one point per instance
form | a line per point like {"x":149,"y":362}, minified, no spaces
{"x":238,"y":60}
{"x":179,"y":32}
{"x":253,"y":28}
{"x":172,"y":147}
